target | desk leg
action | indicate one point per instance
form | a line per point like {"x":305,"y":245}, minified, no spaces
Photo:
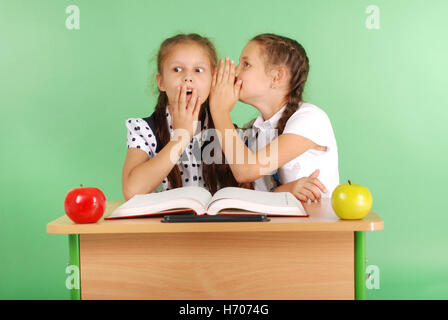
{"x":73,"y":246}
{"x":360,"y":265}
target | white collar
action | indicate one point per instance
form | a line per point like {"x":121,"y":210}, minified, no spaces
{"x":271,"y":122}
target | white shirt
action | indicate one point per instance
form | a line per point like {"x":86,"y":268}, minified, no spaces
{"x":140,"y":135}
{"x":312,"y":123}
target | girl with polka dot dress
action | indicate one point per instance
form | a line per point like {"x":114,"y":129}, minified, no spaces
{"x":164,"y":149}
{"x":290,"y":136}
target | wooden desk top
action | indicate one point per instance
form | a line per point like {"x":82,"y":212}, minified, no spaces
{"x":321,"y":218}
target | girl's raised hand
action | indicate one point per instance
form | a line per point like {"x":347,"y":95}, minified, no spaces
{"x":224,"y":92}
{"x":184,"y":114}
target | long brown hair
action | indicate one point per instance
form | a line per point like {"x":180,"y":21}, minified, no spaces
{"x":213,"y":173}
{"x":281,"y":51}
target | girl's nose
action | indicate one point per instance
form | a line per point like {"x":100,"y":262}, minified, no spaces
{"x":188,"y":78}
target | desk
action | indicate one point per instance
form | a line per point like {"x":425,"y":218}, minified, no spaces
{"x":315,"y":257}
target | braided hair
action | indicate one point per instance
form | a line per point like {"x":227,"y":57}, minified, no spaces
{"x":282,"y":51}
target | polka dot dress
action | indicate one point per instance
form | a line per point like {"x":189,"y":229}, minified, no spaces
{"x":140,"y":136}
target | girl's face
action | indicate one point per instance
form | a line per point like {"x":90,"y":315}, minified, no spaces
{"x":186,"y":63}
{"x":251,"y":69}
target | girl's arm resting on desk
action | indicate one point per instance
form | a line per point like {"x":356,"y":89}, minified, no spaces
{"x":141,"y":176}
{"x":248,"y":166}
{"x":305,"y":188}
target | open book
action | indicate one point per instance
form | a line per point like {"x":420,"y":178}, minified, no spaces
{"x":228,"y":200}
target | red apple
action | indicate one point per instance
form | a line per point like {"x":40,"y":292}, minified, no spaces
{"x":85,"y":205}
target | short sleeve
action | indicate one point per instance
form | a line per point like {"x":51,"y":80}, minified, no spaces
{"x":311,"y":123}
{"x":140,"y":135}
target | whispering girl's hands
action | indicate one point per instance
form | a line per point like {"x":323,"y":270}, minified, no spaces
{"x":224,"y":92}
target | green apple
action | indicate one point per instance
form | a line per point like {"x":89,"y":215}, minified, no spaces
{"x":351,"y":201}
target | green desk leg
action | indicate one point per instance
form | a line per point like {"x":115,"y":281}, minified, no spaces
{"x":73,"y":245}
{"x":360,"y":265}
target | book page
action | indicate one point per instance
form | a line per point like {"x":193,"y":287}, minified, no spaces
{"x":196,"y":193}
{"x":252,"y":201}
{"x":170,"y":199}
{"x":260,"y":197}
{"x":278,"y":203}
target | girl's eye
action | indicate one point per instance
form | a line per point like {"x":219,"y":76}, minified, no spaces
{"x":199,"y":69}
{"x":246,"y":64}
{"x":177,"y":69}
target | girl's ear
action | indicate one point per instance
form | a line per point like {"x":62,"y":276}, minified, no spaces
{"x":160,"y":82}
{"x":279,"y":77}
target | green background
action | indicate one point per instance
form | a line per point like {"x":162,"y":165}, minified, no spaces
{"x":65,"y":96}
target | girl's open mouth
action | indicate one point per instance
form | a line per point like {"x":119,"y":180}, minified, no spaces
{"x":189,"y":94}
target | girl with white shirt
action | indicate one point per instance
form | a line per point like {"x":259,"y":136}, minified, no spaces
{"x":290,"y":135}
